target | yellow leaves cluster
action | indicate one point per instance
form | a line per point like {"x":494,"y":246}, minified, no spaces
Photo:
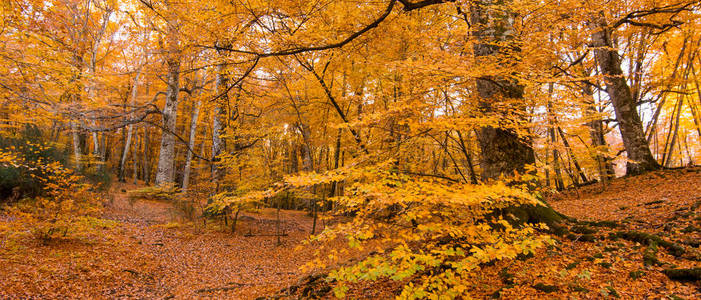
{"x":63,"y":206}
{"x":431,"y":230}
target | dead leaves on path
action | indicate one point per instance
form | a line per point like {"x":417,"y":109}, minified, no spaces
{"x":141,"y":258}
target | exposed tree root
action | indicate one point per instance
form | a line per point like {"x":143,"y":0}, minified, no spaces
{"x":693,"y":274}
{"x":648,"y":239}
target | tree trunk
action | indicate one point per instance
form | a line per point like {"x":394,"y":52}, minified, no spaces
{"x":557,"y":172}
{"x":673,"y":133}
{"x":191,"y":145}
{"x":135,"y":158}
{"x":503,"y":152}
{"x":571,"y":155}
{"x":596,"y":133}
{"x":147,"y":156}
{"x":76,"y":145}
{"x":636,"y":146}
{"x":219,"y":125}
{"x":130,"y":128}
{"x":164,"y":174}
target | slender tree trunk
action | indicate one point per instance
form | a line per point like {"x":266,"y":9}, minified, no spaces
{"x":652,"y":126}
{"x":694,"y":110}
{"x":336,"y":157}
{"x":305,"y":149}
{"x":147,"y":156}
{"x":219,"y":125}
{"x":559,"y":184}
{"x":130,"y":128}
{"x":552,"y":123}
{"x":596,"y":133}
{"x":191,"y":145}
{"x":92,"y":67}
{"x":667,"y":162}
{"x":135,"y":158}
{"x":571,"y":154}
{"x":468,"y":158}
{"x":629,"y":123}
{"x":76,"y":145}
{"x":103,"y":148}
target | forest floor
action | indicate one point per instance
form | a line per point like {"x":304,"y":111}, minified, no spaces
{"x":144,"y":250}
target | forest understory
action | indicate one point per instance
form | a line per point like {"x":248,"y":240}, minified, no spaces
{"x":143,"y":249}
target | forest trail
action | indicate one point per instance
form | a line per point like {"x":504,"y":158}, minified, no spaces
{"x":143,"y":254}
{"x":144,"y":250}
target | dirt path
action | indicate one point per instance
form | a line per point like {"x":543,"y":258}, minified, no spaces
{"x":145,"y":255}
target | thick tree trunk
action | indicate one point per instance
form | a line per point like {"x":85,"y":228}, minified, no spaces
{"x":164,"y":174}
{"x":636,"y":146}
{"x":503,"y":152}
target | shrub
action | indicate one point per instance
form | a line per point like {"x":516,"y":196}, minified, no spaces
{"x":61,"y":208}
{"x":161,"y":193}
{"x":21,"y":154}
{"x":430,"y":235}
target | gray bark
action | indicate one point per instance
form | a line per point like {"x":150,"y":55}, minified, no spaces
{"x":76,"y":145}
{"x":191,"y":145}
{"x":305,"y":149}
{"x":629,"y":123}
{"x":503,"y":152}
{"x":130,"y":128}
{"x":166,"y":157}
{"x":219,"y":124}
{"x":598,"y":141}
{"x":134,"y":158}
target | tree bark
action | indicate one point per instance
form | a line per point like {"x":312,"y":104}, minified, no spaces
{"x":130,"y":128}
{"x":219,"y":125}
{"x":191,"y":145}
{"x":667,"y":156}
{"x":76,"y":145}
{"x":164,"y":173}
{"x":629,"y":123}
{"x":503,"y":152}
{"x":598,"y":141}
{"x":147,"y":156}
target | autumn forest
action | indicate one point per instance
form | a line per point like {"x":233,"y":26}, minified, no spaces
{"x":409,"y":149}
